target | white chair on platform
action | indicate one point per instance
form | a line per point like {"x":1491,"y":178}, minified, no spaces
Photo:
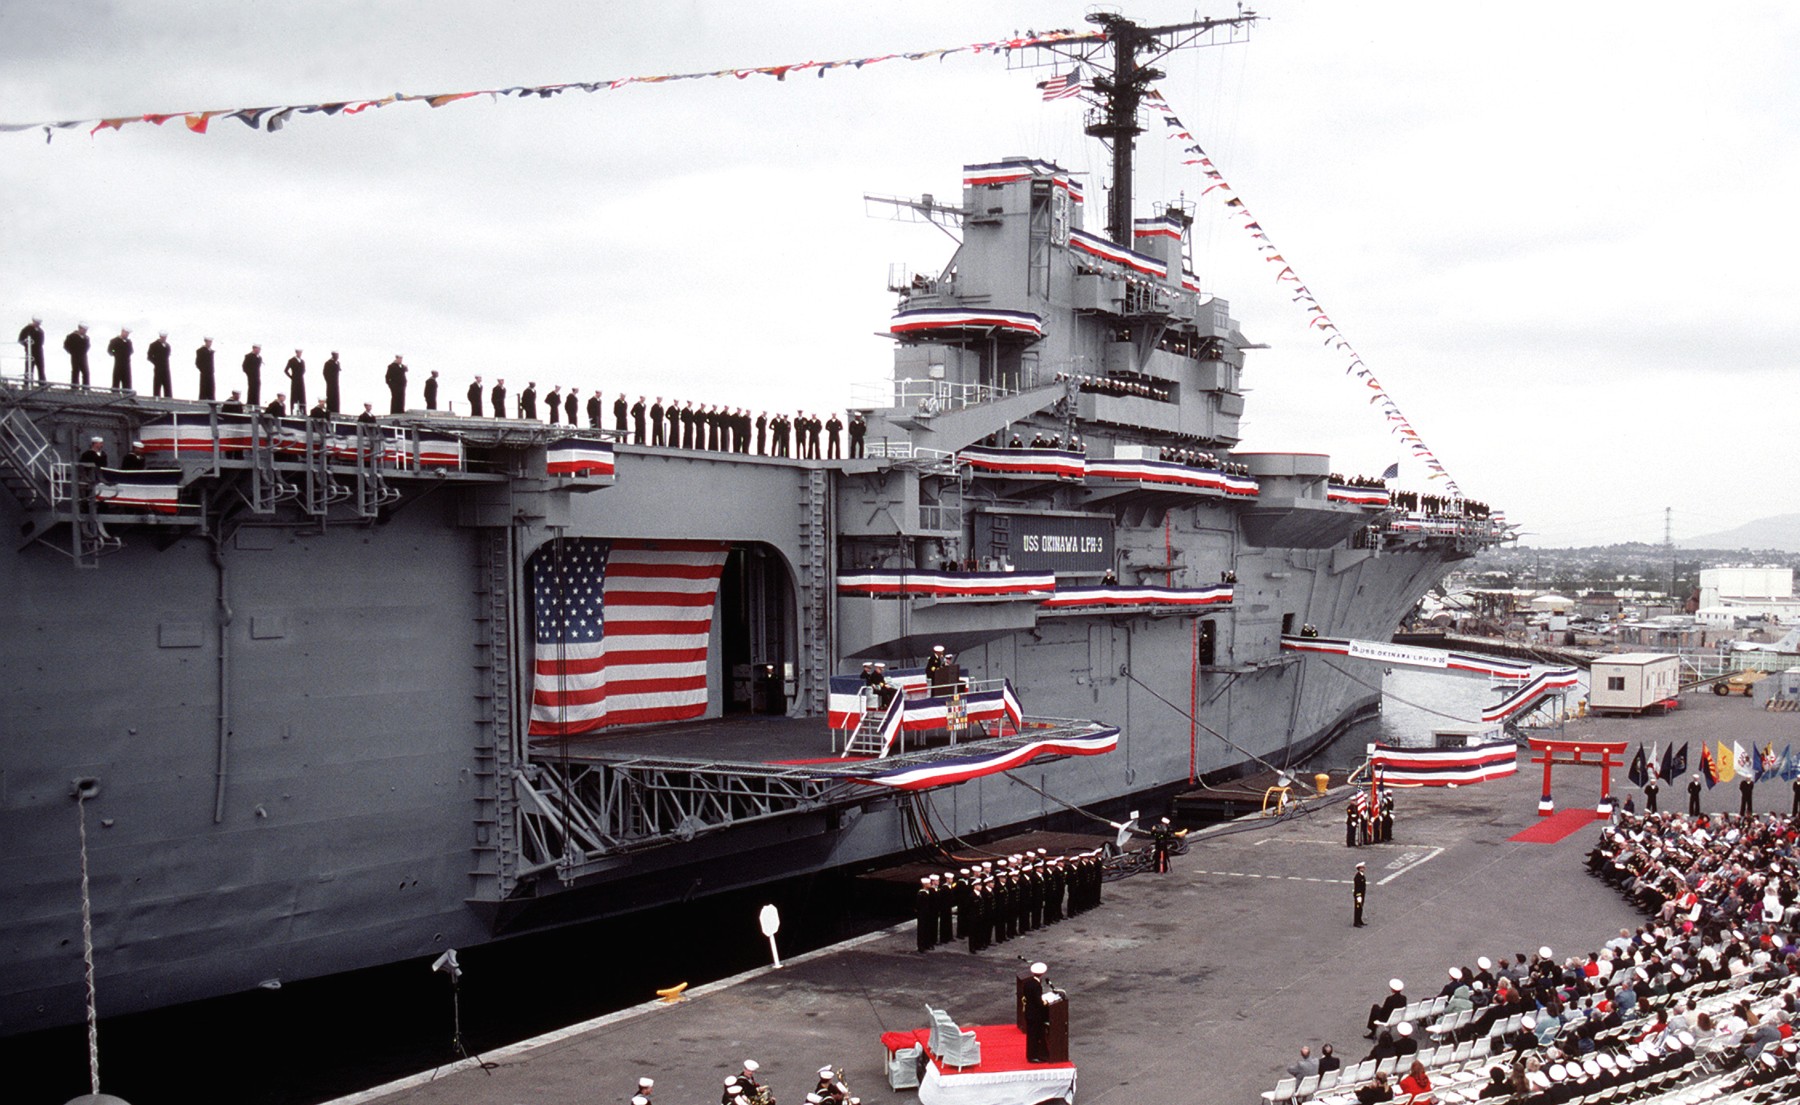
{"x":1283,"y":1091}
{"x":903,"y":1067}
{"x":1307,"y":1087}
{"x":953,"y":1047}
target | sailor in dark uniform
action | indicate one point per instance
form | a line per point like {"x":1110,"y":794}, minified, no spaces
{"x":1032,"y":1017}
{"x":925,"y":911}
{"x":1796,"y":796}
{"x":32,"y":338}
{"x":234,"y":404}
{"x":1651,"y":786}
{"x":934,"y":667}
{"x":1359,"y":890}
{"x":277,"y":407}
{"x":553,"y":405}
{"x":528,"y":401}
{"x":637,"y":422}
{"x":161,"y":386}
{"x":497,"y":398}
{"x":656,"y":422}
{"x":76,"y":346}
{"x":396,"y":384}
{"x":1162,"y":843}
{"x":475,"y":398}
{"x":1694,"y":794}
{"x":1746,"y":789}
{"x":947,"y":890}
{"x":1387,"y":816}
{"x":120,"y":350}
{"x":431,"y":386}
{"x":859,"y":429}
{"x":334,"y":396}
{"x":762,"y":434}
{"x":203,"y":363}
{"x":295,"y":370}
{"x":94,"y":456}
{"x":571,"y":405}
{"x":596,"y":408}
{"x":620,"y":407}
{"x":833,"y":427}
{"x":253,"y":376}
{"x":1396,"y":1000}
{"x":1350,"y":818}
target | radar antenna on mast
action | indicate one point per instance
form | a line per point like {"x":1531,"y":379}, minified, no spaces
{"x":1123,"y":60}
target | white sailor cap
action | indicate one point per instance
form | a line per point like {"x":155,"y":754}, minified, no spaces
{"x":646,"y":1083}
{"x":1456,"y":973}
{"x":814,"y":1099}
{"x":924,"y":880}
{"x":1360,"y":865}
{"x":1544,"y":952}
{"x":963,"y":871}
{"x":640,"y":1099}
{"x":1484,"y":963}
{"x":1039,"y":968}
{"x":826,"y":1072}
{"x":1396,"y":985}
{"x":730,"y":1080}
{"x":1529,"y":1021}
{"x":1557,"y":1073}
{"x":752,"y":1065}
{"x":1591,"y":1067}
{"x":937,"y":648}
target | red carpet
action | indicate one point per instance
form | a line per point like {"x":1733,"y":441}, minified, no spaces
{"x":1002,"y":1048}
{"x":1561,"y":824}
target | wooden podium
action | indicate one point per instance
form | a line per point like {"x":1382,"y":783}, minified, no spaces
{"x":1056,"y":1035}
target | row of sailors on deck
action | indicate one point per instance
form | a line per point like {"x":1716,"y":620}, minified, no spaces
{"x":1374,"y":482}
{"x":1200,"y":458}
{"x":996,"y":900}
{"x":1439,"y":505}
{"x":1038,"y":441}
{"x":1112,"y":385}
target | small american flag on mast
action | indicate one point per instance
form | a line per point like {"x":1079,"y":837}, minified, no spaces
{"x":1063,"y":85}
{"x":621,"y":631}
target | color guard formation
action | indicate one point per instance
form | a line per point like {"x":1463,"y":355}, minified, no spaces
{"x":996,"y":900}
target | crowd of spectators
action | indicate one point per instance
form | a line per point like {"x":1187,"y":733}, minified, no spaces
{"x":1704,"y":992}
{"x":1200,"y":458}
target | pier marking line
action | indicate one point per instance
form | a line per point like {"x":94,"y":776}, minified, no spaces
{"x":521,"y":1047}
{"x":1408,"y":866}
{"x":1275,"y":878}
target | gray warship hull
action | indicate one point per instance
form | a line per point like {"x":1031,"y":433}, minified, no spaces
{"x":306,"y":696}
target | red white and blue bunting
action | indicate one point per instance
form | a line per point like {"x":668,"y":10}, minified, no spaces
{"x":964,"y":322}
{"x":1016,"y":169}
{"x":960,"y":769}
{"x":1359,"y":496}
{"x":1114,"y":596}
{"x":1438,"y":767}
{"x":151,"y":491}
{"x":1173,"y":474}
{"x":1544,"y":684}
{"x":1056,"y":463}
{"x":578,"y":458}
{"x":923,"y":583}
{"x":1095,"y":246}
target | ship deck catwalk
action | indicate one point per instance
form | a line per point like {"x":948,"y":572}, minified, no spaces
{"x":1199,"y":985}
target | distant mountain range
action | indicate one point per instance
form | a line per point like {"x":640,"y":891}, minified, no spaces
{"x":1779,"y":531}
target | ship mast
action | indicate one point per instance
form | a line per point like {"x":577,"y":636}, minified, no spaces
{"x":1133,"y":49}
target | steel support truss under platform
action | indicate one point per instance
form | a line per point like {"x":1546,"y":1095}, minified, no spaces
{"x":576,"y":816}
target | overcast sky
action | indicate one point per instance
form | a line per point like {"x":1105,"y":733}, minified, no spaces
{"x":1561,"y":235}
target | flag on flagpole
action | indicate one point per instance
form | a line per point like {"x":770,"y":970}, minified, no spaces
{"x":1667,"y":764}
{"x":1740,"y":760}
{"x":1391,"y":472}
{"x":1790,"y":767}
{"x":1725,"y":763}
{"x":1757,"y":764}
{"x":1063,"y":85}
{"x":1769,"y":766}
{"x":1637,"y":775}
{"x":1708,"y":770}
{"x":1653,"y":761}
{"x":1680,"y":766}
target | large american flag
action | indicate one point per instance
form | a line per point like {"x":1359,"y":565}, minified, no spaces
{"x":621,"y":631}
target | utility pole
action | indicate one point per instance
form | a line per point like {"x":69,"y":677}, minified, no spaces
{"x":1669,"y":546}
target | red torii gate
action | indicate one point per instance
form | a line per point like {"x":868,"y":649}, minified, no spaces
{"x":1579,"y":753}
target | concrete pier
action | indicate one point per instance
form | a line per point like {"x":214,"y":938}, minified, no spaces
{"x":1196,"y":986}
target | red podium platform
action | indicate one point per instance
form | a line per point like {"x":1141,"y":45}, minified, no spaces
{"x":1002,"y":1078}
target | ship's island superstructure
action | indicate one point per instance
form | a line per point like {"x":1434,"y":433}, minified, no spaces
{"x":323,"y":687}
